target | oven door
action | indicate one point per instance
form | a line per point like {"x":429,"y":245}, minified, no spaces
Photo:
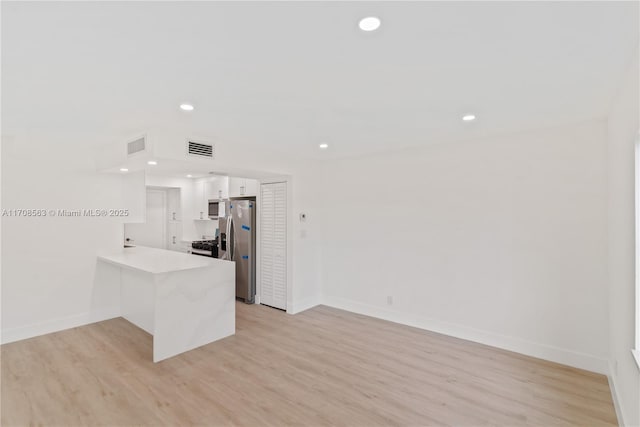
{"x":201,"y":252}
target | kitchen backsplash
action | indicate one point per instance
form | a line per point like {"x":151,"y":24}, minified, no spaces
{"x":206,"y":228}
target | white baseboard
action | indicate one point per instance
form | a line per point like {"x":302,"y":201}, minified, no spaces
{"x":614,"y":395}
{"x":518,"y":345}
{"x":305,"y":304}
{"x":56,"y":325}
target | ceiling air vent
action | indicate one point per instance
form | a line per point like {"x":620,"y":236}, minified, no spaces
{"x":136,"y":146}
{"x":199,"y":149}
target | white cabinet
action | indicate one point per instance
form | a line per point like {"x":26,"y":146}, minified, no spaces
{"x":211,"y":189}
{"x":234,"y":186}
{"x":252,"y":187}
{"x":217,"y":188}
{"x":208,"y":189}
{"x":174,"y":218}
{"x":241,"y":187}
{"x":174,"y":233}
{"x":201,"y":202}
{"x":184,"y":247}
{"x":173,"y":204}
{"x":188,"y":203}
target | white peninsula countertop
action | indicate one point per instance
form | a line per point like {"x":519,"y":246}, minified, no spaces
{"x":185,"y":301}
{"x":158,"y":261}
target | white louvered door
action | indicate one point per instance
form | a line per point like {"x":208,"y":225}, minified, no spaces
{"x":273,"y":245}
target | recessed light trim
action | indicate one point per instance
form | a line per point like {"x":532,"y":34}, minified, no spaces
{"x":186,"y":107}
{"x":152,"y":162}
{"x":468,"y":117}
{"x":323,"y":146}
{"x":124,"y":170}
{"x":370,"y":23}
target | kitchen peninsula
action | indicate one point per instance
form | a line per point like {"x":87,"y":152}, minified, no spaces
{"x":184,"y":301}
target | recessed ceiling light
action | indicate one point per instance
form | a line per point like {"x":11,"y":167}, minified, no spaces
{"x":323,"y":146}
{"x":189,"y":176}
{"x":124,"y":170}
{"x":370,"y":23}
{"x":186,"y":107}
{"x":469,"y":118}
{"x":152,"y":162}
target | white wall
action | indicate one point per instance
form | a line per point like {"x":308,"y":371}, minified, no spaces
{"x":623,"y":126}
{"x":153,"y":230}
{"x":49,"y":263}
{"x":499,"y":240}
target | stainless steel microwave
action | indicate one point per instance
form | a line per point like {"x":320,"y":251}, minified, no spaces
{"x":216,"y":209}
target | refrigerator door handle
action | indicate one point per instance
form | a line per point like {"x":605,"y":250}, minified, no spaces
{"x":230,"y":239}
{"x":235,"y":241}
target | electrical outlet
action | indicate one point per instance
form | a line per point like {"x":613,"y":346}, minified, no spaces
{"x":389,"y":300}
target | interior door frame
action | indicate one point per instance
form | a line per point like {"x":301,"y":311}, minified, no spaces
{"x":636,"y":350}
{"x":287,"y":180}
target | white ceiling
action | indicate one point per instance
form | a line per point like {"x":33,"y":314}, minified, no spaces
{"x":291,"y":75}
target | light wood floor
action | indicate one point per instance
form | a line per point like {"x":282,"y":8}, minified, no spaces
{"x":320,"y":367}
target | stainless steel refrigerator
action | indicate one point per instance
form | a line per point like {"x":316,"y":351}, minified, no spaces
{"x":237,"y":242}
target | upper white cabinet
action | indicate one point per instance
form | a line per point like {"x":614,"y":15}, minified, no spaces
{"x":236,"y":187}
{"x":211,"y":189}
{"x":241,"y":187}
{"x":252,"y":187}
{"x":217,"y":188}
{"x":201,"y":201}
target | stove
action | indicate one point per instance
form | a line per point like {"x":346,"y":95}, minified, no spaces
{"x":205,"y":248}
